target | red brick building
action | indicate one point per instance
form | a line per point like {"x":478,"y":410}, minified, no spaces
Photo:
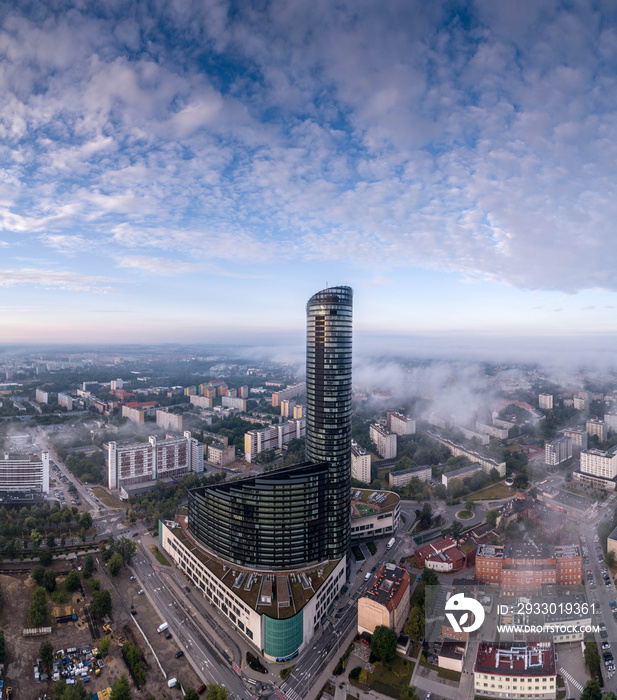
{"x":523,"y":568}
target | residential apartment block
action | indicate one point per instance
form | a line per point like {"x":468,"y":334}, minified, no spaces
{"x":289,"y":393}
{"x":546,"y":401}
{"x":274,"y":437}
{"x":557,"y":451}
{"x":169,"y":421}
{"x":386,"y":601}
{"x":360,"y":463}
{"x":384,"y":440}
{"x":400,"y":424}
{"x":401,"y":478}
{"x":66,"y":401}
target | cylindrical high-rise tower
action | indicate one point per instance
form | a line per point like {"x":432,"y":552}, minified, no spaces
{"x":328,"y":403}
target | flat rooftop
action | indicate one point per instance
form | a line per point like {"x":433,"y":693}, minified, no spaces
{"x":372,"y":502}
{"x":257,"y":588}
{"x":389,"y":586}
{"x":534,"y":658}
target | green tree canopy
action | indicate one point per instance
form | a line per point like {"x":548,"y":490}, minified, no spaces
{"x":591,"y":691}
{"x":101,"y":603}
{"x":121,"y":689}
{"x":383,"y":643}
{"x":46,"y":654}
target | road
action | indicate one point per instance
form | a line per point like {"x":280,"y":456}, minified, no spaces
{"x":183,"y":624}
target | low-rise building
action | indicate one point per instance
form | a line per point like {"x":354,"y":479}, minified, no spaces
{"x":516,"y":670}
{"x":402,"y":477}
{"x":374,"y":514}
{"x":461,"y":473}
{"x":386,"y":601}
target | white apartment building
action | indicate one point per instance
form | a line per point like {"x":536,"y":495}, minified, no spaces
{"x":492,"y":430}
{"x":578,"y":438}
{"x":234,"y":402}
{"x":360,"y":463}
{"x":25,"y":474}
{"x":546,"y":401}
{"x":66,"y":401}
{"x":557,"y":451}
{"x":289,"y":393}
{"x":610,"y":421}
{"x":581,"y":402}
{"x":597,"y":427}
{"x":274,"y":437}
{"x":169,"y":421}
{"x":384,"y":440}
{"x":137,"y":463}
{"x":42,"y":396}
{"x":287,"y":407}
{"x":221,"y":455}
{"x":400,"y":424}
{"x":135,"y":415}
{"x":401,"y":478}
{"x":201,"y":401}
{"x":598,"y":463}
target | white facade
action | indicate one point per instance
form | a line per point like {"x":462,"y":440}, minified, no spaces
{"x":201,"y":401}
{"x":492,"y":430}
{"x":384,"y":440}
{"x":400,"y":424}
{"x":234,"y":402}
{"x":66,"y":401}
{"x":42,"y":396}
{"x":242,"y":616}
{"x":599,"y":463}
{"x":25,"y":474}
{"x":596,"y":427}
{"x":578,"y":438}
{"x":360,"y":463}
{"x":220,"y":454}
{"x":274,"y":437}
{"x":169,"y":421}
{"x":610,"y":420}
{"x":557,"y":451}
{"x":138,"y":463}
{"x":400,"y":479}
{"x":545,"y":401}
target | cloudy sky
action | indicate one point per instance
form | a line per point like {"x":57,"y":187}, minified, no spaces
{"x":194,"y":171}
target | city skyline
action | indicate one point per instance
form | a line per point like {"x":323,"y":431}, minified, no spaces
{"x":193,"y":175}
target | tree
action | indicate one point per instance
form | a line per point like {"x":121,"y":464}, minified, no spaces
{"x":414,"y":626}
{"x":491,"y":516}
{"x":51,"y":541}
{"x":38,"y":574}
{"x":430,"y":577}
{"x":121,"y":689}
{"x":85,"y":521}
{"x":383,"y":643}
{"x":591,"y":691}
{"x":49,"y":581}
{"x":115,"y":564}
{"x":62,"y":691}
{"x":38,"y":610}
{"x":72,"y":581}
{"x":191,"y":694}
{"x":46,"y":557}
{"x":493,"y":474}
{"x":521,"y":481}
{"x":46,"y":654}
{"x":456,"y":528}
{"x":101,"y":603}
{"x":104,"y":645}
{"x":609,"y":558}
{"x":88,"y":566}
{"x":217,"y":692}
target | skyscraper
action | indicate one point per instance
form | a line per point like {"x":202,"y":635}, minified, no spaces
{"x":328,"y":404}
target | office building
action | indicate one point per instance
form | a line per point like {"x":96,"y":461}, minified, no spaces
{"x":557,"y":451}
{"x":374,"y":514}
{"x":384,"y":440}
{"x":402,"y":477}
{"x":516,"y":670}
{"x":328,"y":403}
{"x":285,"y":533}
{"x":522,"y":569}
{"x":546,"y":401}
{"x":169,"y":421}
{"x":360,"y":463}
{"x":386,"y":601}
{"x":400,"y":424}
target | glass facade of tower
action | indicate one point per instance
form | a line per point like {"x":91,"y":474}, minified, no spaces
{"x":328,"y":404}
{"x":275,"y":521}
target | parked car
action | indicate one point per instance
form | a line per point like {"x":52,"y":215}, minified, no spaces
{"x":179,"y":654}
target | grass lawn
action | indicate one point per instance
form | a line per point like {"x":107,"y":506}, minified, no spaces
{"x":494,"y":492}
{"x":160,"y":557}
{"x":449,"y":675}
{"x":107,"y":498}
{"x":389,"y":679}
{"x":464,"y":514}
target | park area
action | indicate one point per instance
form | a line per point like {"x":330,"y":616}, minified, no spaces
{"x":362,"y":509}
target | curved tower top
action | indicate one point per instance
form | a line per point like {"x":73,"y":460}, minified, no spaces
{"x":328,"y":402}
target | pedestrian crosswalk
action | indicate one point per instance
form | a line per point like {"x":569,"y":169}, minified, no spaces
{"x":571,"y":679}
{"x":290,"y":692}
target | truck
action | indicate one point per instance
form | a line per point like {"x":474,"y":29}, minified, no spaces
{"x":391,"y":543}
{"x":162,"y":628}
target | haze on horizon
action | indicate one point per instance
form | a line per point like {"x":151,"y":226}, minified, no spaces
{"x":196,"y":174}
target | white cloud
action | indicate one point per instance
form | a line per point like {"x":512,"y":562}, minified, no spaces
{"x":50,"y":279}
